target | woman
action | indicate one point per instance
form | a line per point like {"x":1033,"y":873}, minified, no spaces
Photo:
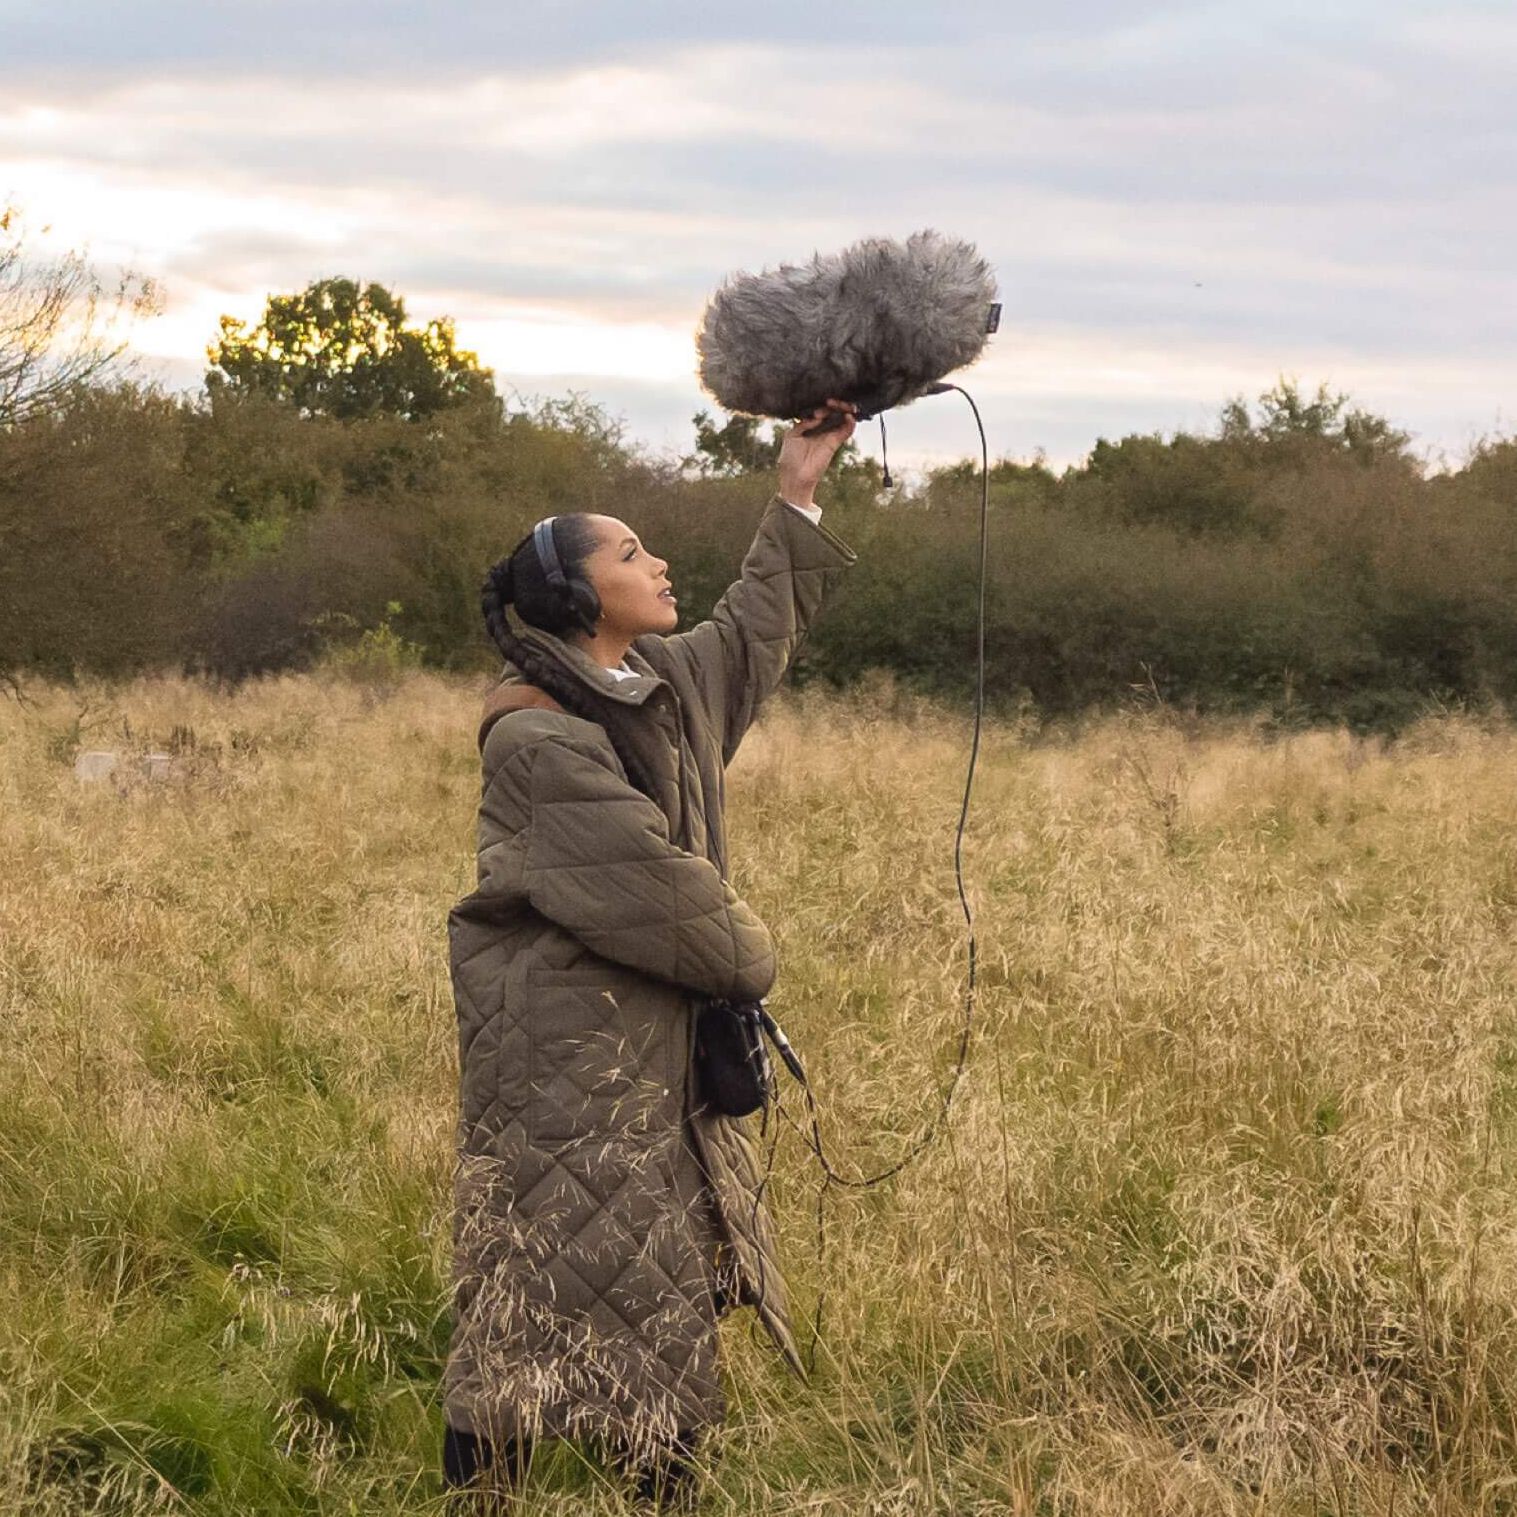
{"x":604,"y":1219}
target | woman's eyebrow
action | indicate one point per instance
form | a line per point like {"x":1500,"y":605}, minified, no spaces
{"x":627,"y":540}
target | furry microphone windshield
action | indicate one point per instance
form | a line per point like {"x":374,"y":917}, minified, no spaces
{"x":876,"y":324}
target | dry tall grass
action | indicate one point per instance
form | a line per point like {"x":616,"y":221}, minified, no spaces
{"x":1223,"y":1223}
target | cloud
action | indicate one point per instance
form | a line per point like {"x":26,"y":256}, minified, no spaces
{"x":444,"y":40}
{"x":1180,"y":202}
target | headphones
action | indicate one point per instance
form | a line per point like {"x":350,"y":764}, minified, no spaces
{"x":584,"y":603}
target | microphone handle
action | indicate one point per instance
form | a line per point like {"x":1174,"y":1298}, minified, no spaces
{"x":867,"y":411}
{"x":830,"y":423}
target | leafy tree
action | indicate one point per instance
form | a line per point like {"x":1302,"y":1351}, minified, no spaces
{"x":740,"y":446}
{"x":1289,"y":422}
{"x":61,"y":324}
{"x":1489,"y":472}
{"x":1191,"y":483}
{"x":346,"y":350}
{"x":93,"y":499}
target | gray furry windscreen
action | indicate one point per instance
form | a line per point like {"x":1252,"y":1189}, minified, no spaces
{"x":875,"y":324}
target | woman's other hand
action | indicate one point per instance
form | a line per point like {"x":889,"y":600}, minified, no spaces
{"x":806,"y":451}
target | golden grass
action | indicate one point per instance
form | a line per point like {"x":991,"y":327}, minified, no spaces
{"x":1223,"y":1221}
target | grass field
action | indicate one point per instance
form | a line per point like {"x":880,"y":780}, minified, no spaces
{"x":1225,"y":1220}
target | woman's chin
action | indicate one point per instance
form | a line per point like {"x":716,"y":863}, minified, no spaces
{"x":665,"y":619}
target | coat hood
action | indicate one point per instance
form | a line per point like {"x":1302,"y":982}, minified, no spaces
{"x":513,"y":692}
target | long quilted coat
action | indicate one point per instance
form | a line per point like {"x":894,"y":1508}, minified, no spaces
{"x":603,"y":1219}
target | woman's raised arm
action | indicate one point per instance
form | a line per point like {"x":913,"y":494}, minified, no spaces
{"x":737,"y":657}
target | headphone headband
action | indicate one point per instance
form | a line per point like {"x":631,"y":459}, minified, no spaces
{"x":580,"y":595}
{"x":547,"y":552}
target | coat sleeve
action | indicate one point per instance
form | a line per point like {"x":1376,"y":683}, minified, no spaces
{"x":735,"y":659}
{"x":599,"y":862}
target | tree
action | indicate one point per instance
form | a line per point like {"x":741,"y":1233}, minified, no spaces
{"x":739,"y":447}
{"x":345,"y":350}
{"x":61,"y":324}
{"x":1289,"y":421}
{"x":736,"y":447}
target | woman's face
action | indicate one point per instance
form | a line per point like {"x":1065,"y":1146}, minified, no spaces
{"x":631,"y":583}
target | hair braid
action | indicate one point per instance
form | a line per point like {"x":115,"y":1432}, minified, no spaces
{"x":538,"y":669}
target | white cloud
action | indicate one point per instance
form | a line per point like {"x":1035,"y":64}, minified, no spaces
{"x":531,"y":342}
{"x":1180,"y":203}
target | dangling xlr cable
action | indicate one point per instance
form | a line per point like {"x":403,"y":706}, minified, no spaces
{"x":883,"y":322}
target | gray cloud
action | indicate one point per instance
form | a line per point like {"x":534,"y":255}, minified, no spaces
{"x":1201,"y":194}
{"x":387,"y":36}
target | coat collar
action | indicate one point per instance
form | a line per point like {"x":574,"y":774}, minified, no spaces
{"x":513,"y":692}
{"x":575,"y":662}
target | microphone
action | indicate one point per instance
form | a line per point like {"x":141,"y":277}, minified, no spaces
{"x":877,"y":324}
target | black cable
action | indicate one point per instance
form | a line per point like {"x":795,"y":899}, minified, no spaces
{"x":813,"y":1141}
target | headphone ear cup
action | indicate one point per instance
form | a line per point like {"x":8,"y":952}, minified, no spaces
{"x":585,"y":601}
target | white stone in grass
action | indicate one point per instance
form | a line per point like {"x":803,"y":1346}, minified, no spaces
{"x":95,"y":765}
{"x":158,"y":766}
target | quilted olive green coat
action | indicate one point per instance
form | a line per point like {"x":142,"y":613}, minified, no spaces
{"x":603,"y":1219}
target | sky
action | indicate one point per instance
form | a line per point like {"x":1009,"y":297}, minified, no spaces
{"x":1182,"y":203}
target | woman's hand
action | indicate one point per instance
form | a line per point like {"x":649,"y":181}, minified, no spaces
{"x":806,"y":450}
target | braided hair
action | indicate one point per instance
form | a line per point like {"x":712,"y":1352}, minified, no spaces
{"x":518,"y":579}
